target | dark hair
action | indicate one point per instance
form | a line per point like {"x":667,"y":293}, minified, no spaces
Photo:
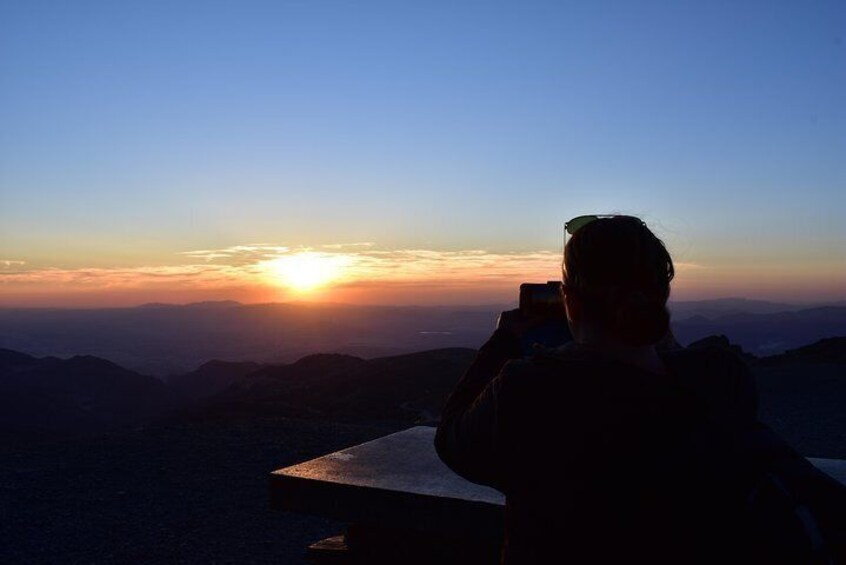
{"x":621,"y":272}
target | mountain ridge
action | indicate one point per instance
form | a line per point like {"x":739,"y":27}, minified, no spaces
{"x":165,"y":340}
{"x":85,"y":393}
{"x":76,"y":396}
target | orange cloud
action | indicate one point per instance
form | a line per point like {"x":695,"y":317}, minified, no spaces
{"x":368,"y":274}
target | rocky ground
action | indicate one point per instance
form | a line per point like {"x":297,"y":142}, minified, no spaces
{"x":805,"y":405}
{"x":197,"y":491}
{"x":183,"y":493}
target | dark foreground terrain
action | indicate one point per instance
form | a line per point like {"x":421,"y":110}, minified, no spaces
{"x":183,"y":493}
{"x":195,"y":490}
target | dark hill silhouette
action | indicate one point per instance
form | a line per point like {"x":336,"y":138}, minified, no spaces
{"x":11,"y":359}
{"x":800,"y":400}
{"x":83,"y":394}
{"x":767,"y":334}
{"x":802,"y":395}
{"x":206,"y":304}
{"x":829,"y":350}
{"x":163,"y":339}
{"x":718,"y":307}
{"x":802,"y":390}
{"x":209,"y":378}
{"x":400,"y":388}
{"x":723,"y":342}
{"x":167,"y":339}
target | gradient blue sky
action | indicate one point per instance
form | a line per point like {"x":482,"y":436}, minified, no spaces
{"x":133,"y":132}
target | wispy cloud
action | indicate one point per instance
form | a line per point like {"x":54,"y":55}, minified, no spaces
{"x":242,"y":254}
{"x":687,"y":266}
{"x":366,"y":262}
{"x":473,"y":264}
{"x":347,"y":246}
{"x":365,"y":265}
{"x":247,"y":264}
{"x":124,"y":277}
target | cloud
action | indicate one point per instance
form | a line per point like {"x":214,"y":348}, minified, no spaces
{"x":369,"y":273}
{"x":348,"y":245}
{"x":247,"y":265}
{"x":197,"y":275}
{"x":240,"y":254}
{"x":365,"y":265}
{"x":687,"y":266}
{"x":365,"y":261}
{"x":475,"y":264}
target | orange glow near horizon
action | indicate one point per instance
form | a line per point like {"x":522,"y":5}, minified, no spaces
{"x":364,"y":273}
{"x":306,"y":271}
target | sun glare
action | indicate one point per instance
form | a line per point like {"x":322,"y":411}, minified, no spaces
{"x":306,"y":271}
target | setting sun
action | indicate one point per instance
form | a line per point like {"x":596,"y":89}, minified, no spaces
{"x":306,"y":271}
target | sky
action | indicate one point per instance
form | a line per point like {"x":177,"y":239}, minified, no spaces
{"x":414,"y":152}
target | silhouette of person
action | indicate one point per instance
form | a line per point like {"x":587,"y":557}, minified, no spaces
{"x":588,"y":440}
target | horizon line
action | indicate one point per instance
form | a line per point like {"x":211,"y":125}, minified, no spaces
{"x":493,"y":305}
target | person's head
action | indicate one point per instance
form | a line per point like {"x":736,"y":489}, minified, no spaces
{"x":617,"y":277}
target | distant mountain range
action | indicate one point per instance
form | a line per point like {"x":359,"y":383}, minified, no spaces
{"x":164,"y":339}
{"x":414,"y":387}
{"x":209,"y":379}
{"x":767,"y":333}
{"x":802,"y":389}
{"x":80,"y":395}
{"x":717,"y":307}
{"x":410,"y":387}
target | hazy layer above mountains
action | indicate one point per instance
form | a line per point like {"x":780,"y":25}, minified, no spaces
{"x":161,"y":339}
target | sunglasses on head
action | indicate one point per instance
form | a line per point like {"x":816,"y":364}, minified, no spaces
{"x":579,"y":222}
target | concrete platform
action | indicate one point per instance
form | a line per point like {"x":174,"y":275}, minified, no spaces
{"x":399,"y":481}
{"x":835,"y":468}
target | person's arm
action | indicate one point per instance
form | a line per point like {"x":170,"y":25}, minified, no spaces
{"x":744,"y":401}
{"x":466,"y":436}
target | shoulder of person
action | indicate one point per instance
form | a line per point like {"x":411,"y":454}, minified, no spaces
{"x":558,"y":363}
{"x":533,"y":389}
{"x":712,"y":359}
{"x":721,"y":378}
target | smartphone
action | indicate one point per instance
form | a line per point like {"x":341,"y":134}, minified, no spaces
{"x":542,"y":299}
